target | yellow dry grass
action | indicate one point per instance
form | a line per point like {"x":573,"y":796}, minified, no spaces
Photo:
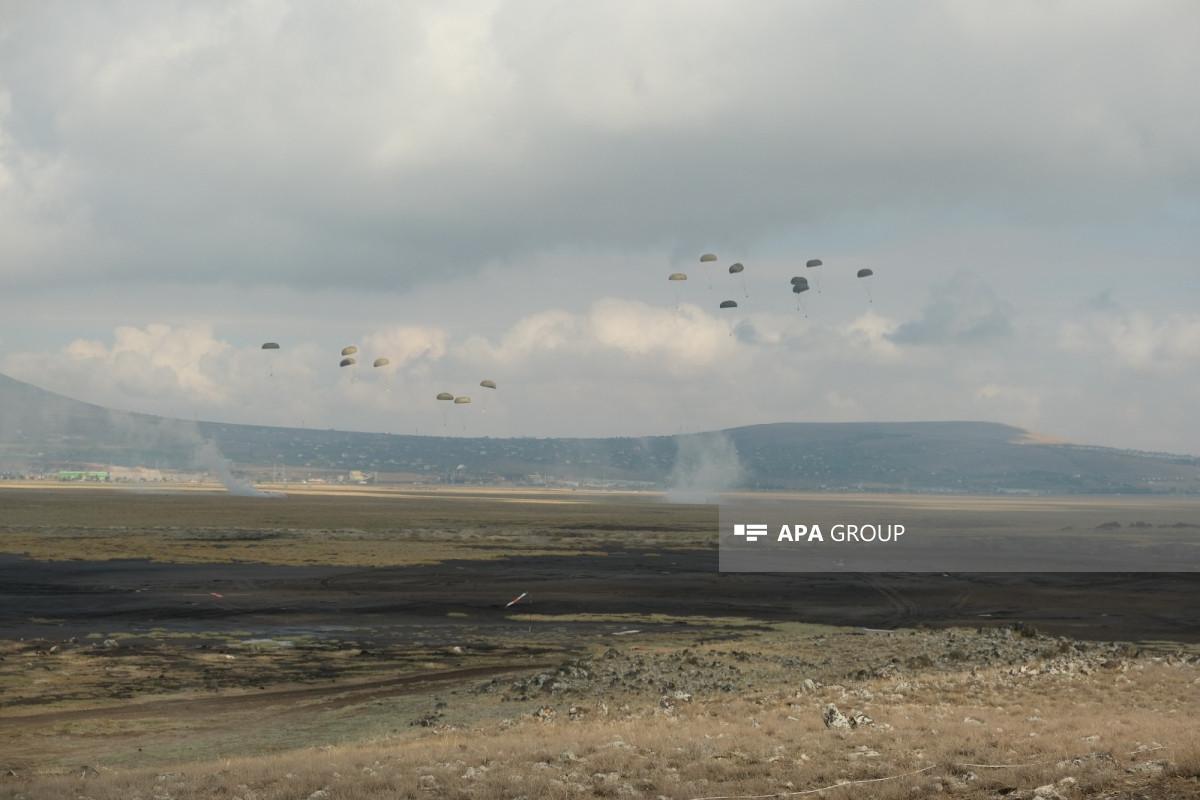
{"x":974,"y":734}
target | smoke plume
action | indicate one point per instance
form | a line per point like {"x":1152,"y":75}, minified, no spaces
{"x":210,"y":458}
{"x":705,"y":464}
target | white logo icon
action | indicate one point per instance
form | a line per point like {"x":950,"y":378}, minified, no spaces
{"x":751,"y":532}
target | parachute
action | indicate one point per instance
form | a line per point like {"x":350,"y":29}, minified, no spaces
{"x":460,"y":400}
{"x":349,"y":350}
{"x":866,"y":273}
{"x":738,"y":269}
{"x":729,"y":304}
{"x":679,"y":281}
{"x":815,"y":262}
{"x":346,"y":362}
{"x":271,"y":360}
{"x":706,"y":259}
{"x":798,"y":289}
{"x":381,"y":362}
{"x":448,"y":398}
{"x":800,"y":281}
{"x":487,"y":384}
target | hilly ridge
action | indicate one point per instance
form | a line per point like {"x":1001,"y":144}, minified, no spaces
{"x":43,"y":431}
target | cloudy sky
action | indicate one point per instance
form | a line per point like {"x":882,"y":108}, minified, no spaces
{"x":499,"y":190}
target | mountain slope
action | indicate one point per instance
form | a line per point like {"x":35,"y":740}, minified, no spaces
{"x":43,"y":430}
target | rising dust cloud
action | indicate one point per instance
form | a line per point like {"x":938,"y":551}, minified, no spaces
{"x":210,"y":458}
{"x":705,"y":465}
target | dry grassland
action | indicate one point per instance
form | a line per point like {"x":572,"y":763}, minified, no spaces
{"x":1063,"y":723}
{"x":600,"y":703}
{"x":332,"y":526}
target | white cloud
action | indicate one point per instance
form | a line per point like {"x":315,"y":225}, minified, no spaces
{"x":499,"y":189}
{"x":964,"y":311}
{"x":674,"y":340}
{"x":150,"y":368}
{"x":404,"y":344}
{"x":1136,"y":341}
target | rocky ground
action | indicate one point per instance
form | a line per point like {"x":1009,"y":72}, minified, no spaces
{"x":637,"y":671}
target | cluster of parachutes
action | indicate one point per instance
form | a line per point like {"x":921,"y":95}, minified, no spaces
{"x":460,"y":400}
{"x":487,"y":383}
{"x":799,"y":283}
{"x":348,"y":359}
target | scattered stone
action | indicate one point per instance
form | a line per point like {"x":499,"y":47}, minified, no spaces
{"x":834,"y":718}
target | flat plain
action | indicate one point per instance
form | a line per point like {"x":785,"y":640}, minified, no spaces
{"x":366,"y":632}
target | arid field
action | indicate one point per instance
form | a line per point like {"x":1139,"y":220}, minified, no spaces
{"x":181,"y":642}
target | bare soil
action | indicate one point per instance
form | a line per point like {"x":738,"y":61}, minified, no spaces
{"x":139,"y":629}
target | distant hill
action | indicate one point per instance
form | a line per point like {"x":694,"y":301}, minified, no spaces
{"x":43,"y":431}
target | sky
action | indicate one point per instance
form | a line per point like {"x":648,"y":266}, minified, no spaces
{"x":498,"y":190}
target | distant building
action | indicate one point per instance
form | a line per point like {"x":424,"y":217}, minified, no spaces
{"x":79,"y":475}
{"x":135,"y":474}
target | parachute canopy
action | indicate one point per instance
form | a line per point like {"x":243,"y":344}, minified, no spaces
{"x":461,"y":400}
{"x":862,"y":273}
{"x":347,"y":362}
{"x":349,"y":351}
{"x":445,"y":396}
{"x":677,"y":276}
{"x":270,"y":346}
{"x":489,"y":384}
{"x":381,"y":362}
{"x":799,"y":280}
{"x":728,"y":304}
{"x":734,"y":269}
{"x":799,"y":287}
{"x":813,"y":262}
{"x":708,"y":257}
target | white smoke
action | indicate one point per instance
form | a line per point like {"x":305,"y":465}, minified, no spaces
{"x":210,"y":458}
{"x":705,"y":465}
